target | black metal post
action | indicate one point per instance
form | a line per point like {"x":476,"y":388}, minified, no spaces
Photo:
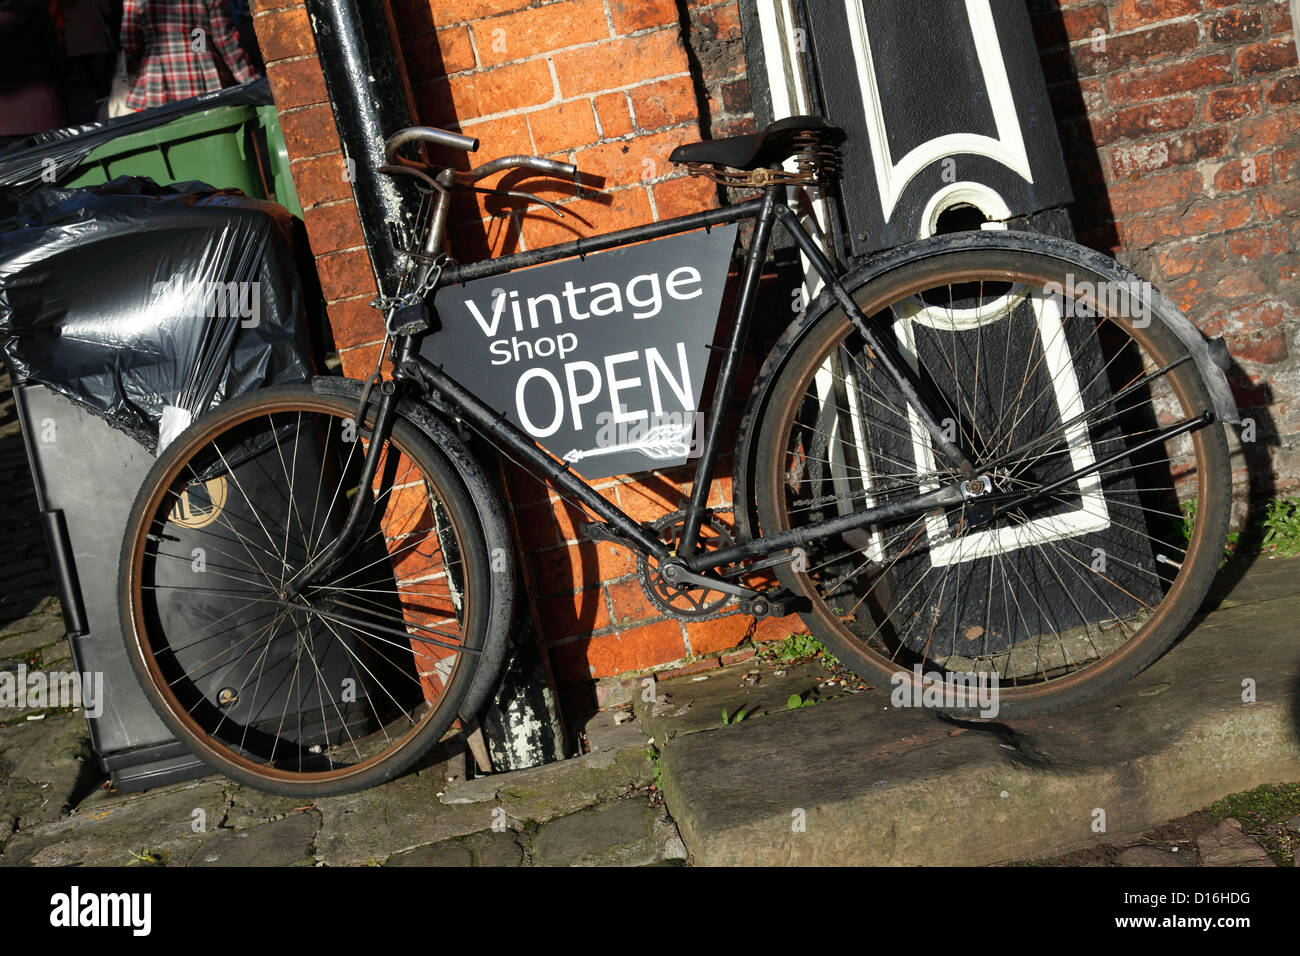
{"x":365,"y":78}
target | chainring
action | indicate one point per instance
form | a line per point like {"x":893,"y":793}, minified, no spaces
{"x":687,"y":603}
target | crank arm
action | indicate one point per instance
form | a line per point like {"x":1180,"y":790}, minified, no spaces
{"x":677,"y":575}
{"x":980,"y":516}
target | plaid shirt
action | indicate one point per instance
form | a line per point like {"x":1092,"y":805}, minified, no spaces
{"x":160,"y":33}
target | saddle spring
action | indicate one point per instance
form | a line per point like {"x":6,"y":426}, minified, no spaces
{"x":817,"y":159}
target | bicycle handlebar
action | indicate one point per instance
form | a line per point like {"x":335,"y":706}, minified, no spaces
{"x":427,"y":134}
{"x":442,"y":137}
{"x":439,"y":180}
{"x":552,"y":166}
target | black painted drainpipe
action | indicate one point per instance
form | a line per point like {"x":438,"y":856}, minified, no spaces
{"x":366,"y":81}
{"x":365,"y":78}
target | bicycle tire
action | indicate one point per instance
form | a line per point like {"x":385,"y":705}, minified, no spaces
{"x":425,"y":563}
{"x":890,"y":661}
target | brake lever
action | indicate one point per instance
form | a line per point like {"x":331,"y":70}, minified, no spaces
{"x":519,"y":195}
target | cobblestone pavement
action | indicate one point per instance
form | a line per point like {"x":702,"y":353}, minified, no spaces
{"x":24,"y":563}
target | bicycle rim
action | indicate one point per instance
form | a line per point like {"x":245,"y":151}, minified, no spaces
{"x":1083,"y":588}
{"x":346,"y":685}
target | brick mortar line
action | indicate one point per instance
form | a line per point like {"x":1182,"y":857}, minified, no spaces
{"x":339,"y":252}
{"x":289,"y":110}
{"x":332,"y":152}
{"x":303,"y":159}
{"x":359,"y":297}
{"x":1105,"y":77}
{"x":1243,"y":154}
{"x":613,"y":33}
{"x":356,"y":348}
{"x":473,"y":46}
{"x":553,"y":102}
{"x":272,"y":12}
{"x":586,"y":45}
{"x":1153,"y":25}
{"x":1198,"y":94}
{"x":1198,"y":126}
{"x":498,"y":14}
{"x":332,"y":202}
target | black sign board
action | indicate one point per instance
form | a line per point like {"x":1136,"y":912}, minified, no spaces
{"x":943,"y":103}
{"x":600,"y":359}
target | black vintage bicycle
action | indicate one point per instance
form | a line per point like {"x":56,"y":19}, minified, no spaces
{"x":984,"y":453}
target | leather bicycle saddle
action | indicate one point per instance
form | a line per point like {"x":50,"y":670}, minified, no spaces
{"x":775,"y":144}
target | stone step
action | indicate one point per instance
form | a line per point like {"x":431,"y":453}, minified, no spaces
{"x":856,"y":781}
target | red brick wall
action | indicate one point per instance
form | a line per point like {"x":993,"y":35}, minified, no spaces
{"x":1178,"y":118}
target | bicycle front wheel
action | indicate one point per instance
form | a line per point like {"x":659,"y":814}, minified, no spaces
{"x":1039,"y":367}
{"x":349,"y":683}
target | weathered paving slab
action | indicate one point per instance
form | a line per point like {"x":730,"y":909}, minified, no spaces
{"x":23,"y":637}
{"x":487,"y":848}
{"x":853,"y":780}
{"x":624,"y":833}
{"x":43,"y":764}
{"x":1229,"y":845}
{"x":251,"y":808}
{"x":286,"y":842}
{"x":369,"y":827}
{"x":689,"y":704}
{"x":157,"y":826}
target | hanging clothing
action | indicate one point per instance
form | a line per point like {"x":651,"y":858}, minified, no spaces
{"x":185,"y":47}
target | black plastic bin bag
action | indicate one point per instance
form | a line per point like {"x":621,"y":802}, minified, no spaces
{"x":148,"y":304}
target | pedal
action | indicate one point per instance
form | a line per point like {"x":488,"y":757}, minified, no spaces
{"x":769,"y":604}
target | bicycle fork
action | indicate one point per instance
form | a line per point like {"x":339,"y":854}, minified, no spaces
{"x":362,"y":503}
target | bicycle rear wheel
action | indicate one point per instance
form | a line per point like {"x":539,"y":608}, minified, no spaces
{"x":1040,"y":367}
{"x":351,"y":682}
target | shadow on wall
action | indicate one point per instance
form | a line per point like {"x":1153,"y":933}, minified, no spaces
{"x":1091,"y":212}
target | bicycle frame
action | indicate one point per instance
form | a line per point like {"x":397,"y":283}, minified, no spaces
{"x":411,"y":370}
